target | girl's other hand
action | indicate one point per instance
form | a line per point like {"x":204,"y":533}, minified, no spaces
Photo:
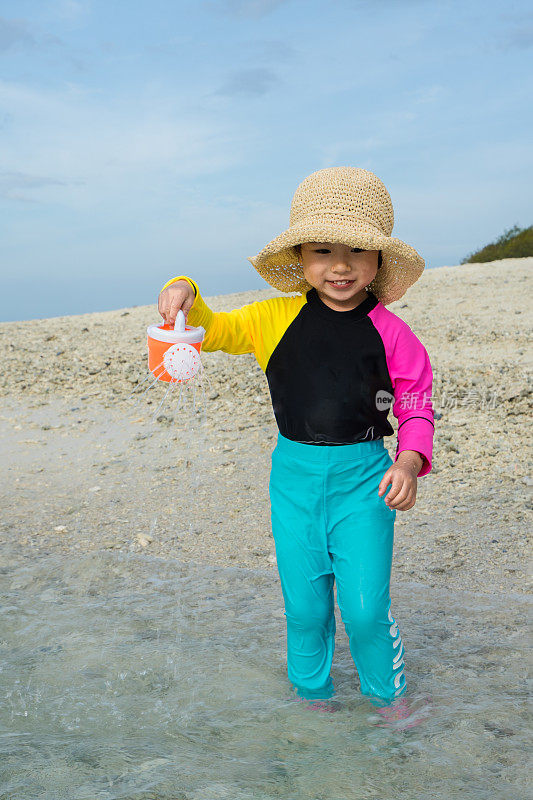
{"x":402,"y":474}
{"x":178,"y":296}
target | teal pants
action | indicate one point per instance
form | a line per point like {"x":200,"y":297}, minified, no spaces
{"x":329,"y":524}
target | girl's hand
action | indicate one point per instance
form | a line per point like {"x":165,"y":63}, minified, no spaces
{"x":402,"y":474}
{"x":179,"y":295}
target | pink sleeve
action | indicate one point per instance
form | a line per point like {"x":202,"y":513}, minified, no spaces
{"x":411,"y":376}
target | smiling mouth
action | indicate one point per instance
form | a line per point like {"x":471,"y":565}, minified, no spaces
{"x":341,"y":283}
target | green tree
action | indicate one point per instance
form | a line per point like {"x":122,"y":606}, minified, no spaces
{"x":513,"y":243}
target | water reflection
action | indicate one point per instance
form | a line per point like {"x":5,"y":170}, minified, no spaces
{"x":127,"y":676}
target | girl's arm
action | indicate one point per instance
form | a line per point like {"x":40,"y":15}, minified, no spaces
{"x":412,"y":378}
{"x":231,"y":331}
{"x":412,"y":406}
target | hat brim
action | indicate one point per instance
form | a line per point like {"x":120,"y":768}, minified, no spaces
{"x":279,"y":265}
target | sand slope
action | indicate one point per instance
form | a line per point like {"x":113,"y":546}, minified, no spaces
{"x":85,"y":470}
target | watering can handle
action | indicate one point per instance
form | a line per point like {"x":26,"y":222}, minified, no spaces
{"x":179,"y":324}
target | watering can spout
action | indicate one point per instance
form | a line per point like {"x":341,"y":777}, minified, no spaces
{"x":179,"y":324}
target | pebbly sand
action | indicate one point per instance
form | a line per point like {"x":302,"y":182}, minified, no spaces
{"x":84,"y":469}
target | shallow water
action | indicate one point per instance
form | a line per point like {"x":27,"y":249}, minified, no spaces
{"x":126,"y":676}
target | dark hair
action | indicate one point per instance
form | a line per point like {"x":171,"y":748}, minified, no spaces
{"x":298,"y":248}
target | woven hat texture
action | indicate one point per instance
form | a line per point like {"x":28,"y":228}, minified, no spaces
{"x":346,"y":205}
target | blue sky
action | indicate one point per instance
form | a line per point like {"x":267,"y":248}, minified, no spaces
{"x":140,"y":140}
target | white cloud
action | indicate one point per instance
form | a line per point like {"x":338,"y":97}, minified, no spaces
{"x":71,"y":9}
{"x":74,"y":144}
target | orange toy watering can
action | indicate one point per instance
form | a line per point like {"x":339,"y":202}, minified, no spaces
{"x":174,"y":352}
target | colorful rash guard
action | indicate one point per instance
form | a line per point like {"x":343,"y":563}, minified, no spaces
{"x":333,"y":375}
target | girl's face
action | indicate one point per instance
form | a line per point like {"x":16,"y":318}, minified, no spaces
{"x":339,"y":273}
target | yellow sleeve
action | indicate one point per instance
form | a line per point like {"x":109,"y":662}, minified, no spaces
{"x":255,"y":328}
{"x":182,"y":278}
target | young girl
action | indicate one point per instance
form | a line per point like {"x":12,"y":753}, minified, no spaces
{"x":336,"y":359}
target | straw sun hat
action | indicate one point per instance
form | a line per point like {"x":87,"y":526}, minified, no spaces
{"x":346,"y":205}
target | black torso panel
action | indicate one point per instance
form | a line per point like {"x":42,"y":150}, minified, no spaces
{"x":325,"y":373}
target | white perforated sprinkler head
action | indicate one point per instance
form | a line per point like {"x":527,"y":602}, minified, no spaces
{"x":182,"y":362}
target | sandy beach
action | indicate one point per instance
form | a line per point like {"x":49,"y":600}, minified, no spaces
{"x":85,"y":469}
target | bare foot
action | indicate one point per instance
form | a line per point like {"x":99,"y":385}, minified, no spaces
{"x":401,"y":714}
{"x":324,"y":706}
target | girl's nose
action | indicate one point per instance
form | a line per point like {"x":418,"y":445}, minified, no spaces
{"x":341,"y":267}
